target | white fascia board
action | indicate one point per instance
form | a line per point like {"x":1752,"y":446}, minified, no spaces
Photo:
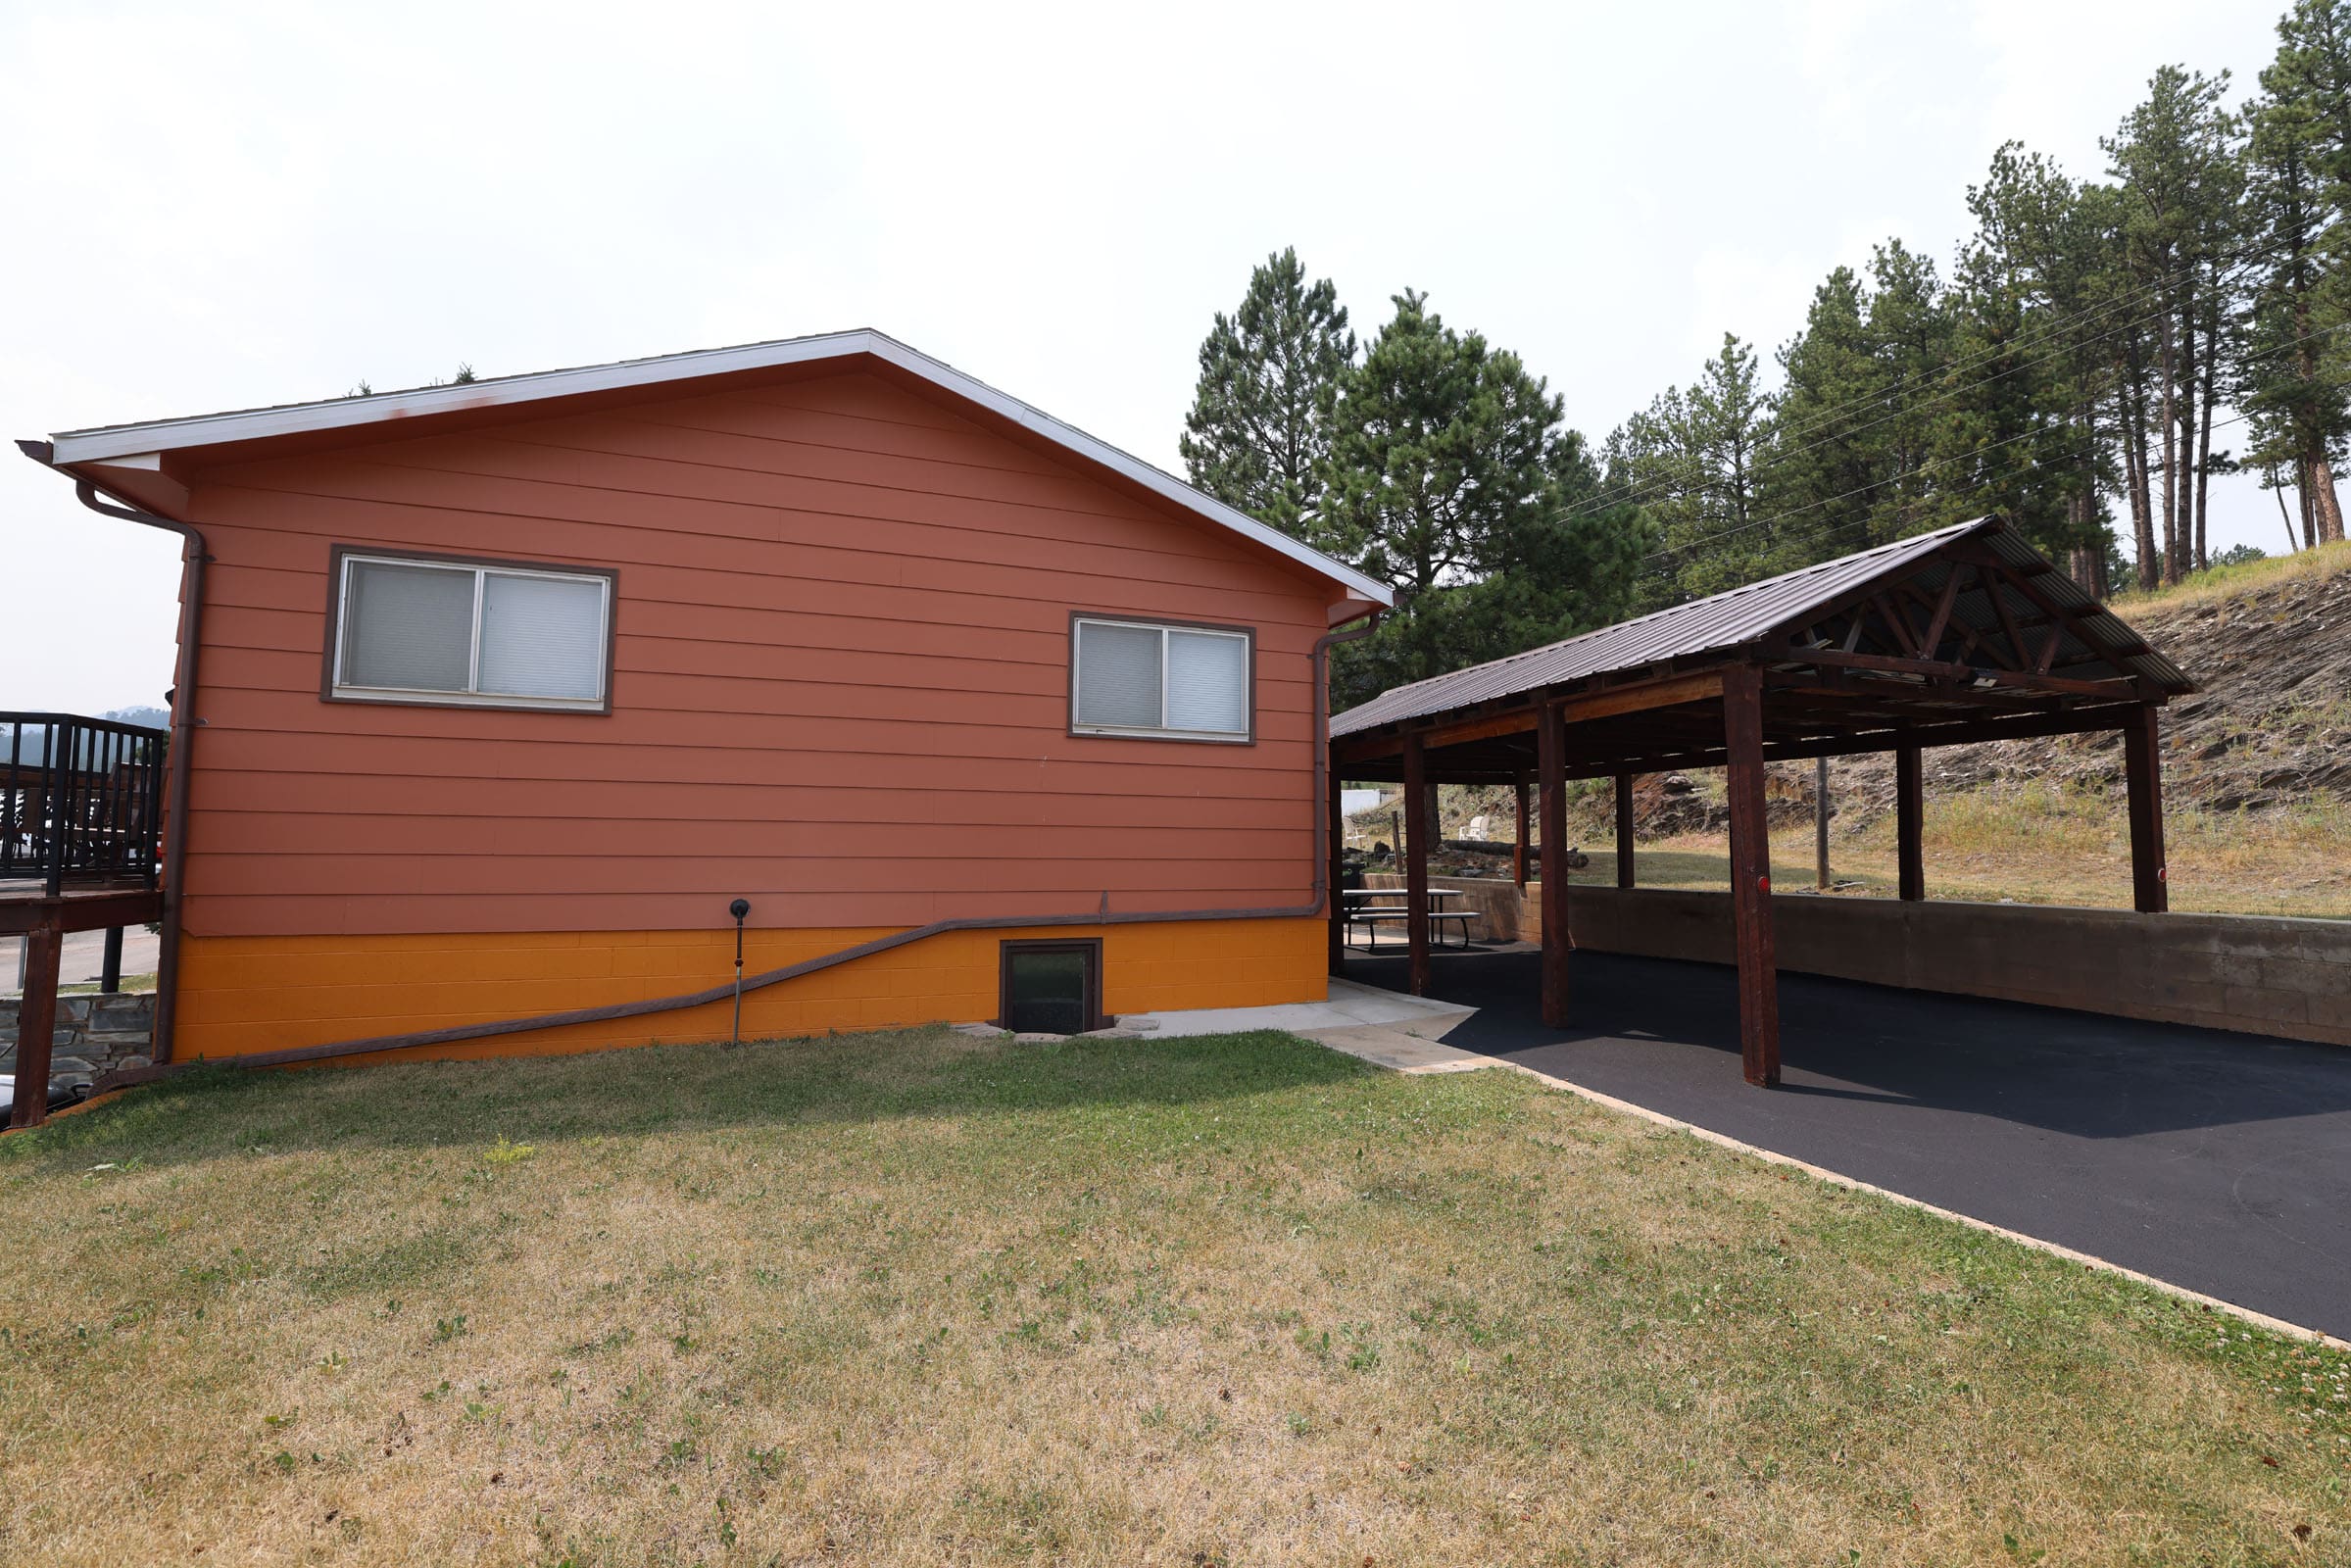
{"x":116,"y":442}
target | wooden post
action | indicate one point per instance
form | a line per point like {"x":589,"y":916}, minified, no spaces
{"x":1336,"y":870}
{"x":1751,"y":876}
{"x":1550,"y":754}
{"x":1910,"y":825}
{"x":1416,"y":868}
{"x":109,"y":966}
{"x":1518,"y":855}
{"x":1820,"y":822}
{"x":36,"y":1022}
{"x":1624,"y":830}
{"x":2142,"y":769}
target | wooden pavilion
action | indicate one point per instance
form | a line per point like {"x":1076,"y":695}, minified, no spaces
{"x":1963,"y":635}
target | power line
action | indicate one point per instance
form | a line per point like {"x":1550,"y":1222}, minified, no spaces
{"x":1931,"y":462}
{"x":1642,"y":490}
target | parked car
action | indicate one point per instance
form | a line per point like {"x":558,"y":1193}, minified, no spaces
{"x":69,"y":1080}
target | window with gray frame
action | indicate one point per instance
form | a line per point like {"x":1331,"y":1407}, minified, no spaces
{"x":1161,"y":680}
{"x":422,"y":629}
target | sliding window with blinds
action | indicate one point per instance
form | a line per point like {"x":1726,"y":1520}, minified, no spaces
{"x":436,"y":629}
{"x":1161,"y":681}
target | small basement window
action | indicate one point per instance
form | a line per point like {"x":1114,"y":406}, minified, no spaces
{"x":1051,"y":988}
{"x":1161,"y":681}
{"x":442,"y":629}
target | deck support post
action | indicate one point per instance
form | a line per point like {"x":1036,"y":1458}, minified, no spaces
{"x":110,"y":967}
{"x":1751,"y":876}
{"x":36,"y":1022}
{"x":1624,"y":830}
{"x":1550,"y":748}
{"x":1518,"y":853}
{"x":1416,"y":867}
{"x":1910,"y":825}
{"x":2142,"y":769}
{"x":1335,"y":867}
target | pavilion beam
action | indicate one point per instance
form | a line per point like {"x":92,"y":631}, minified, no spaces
{"x":1416,"y":868}
{"x":2142,"y":768}
{"x":1910,"y":823}
{"x":1752,"y":877}
{"x":1624,"y":830}
{"x":1551,"y":801}
{"x":1518,"y":853}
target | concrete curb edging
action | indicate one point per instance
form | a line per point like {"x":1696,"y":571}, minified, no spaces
{"x":2276,"y":1325}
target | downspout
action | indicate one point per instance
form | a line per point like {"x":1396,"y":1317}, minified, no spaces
{"x":1317,"y":906}
{"x":178,"y":765}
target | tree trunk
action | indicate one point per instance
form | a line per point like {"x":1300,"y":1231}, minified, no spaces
{"x":2212,"y":359}
{"x":2329,"y":505}
{"x":2309,"y":514}
{"x":2135,"y":462}
{"x":2171,"y":447}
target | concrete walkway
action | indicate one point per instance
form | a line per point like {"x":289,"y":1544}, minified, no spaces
{"x":2219,"y":1162}
{"x":1386,"y":1027}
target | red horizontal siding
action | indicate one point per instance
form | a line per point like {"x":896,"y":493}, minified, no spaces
{"x":840,"y":685}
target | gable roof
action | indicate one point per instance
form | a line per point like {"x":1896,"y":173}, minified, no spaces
{"x":144,"y":444}
{"x":1750,"y":615}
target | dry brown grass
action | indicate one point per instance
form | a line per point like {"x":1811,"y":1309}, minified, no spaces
{"x":911,"y":1298}
{"x":2052,"y":845}
{"x":2229,"y":582}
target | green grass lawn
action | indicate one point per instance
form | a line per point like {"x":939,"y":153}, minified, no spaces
{"x":918,"y":1298}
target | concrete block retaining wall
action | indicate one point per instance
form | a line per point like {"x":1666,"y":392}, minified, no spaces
{"x":102,"y":1030}
{"x":2262,"y":974}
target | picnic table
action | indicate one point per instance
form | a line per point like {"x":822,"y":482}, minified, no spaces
{"x":1359,"y":907}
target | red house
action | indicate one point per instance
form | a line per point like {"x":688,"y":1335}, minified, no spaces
{"x":493,"y":697}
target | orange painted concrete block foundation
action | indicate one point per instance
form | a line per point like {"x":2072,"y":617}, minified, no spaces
{"x":243,"y":994}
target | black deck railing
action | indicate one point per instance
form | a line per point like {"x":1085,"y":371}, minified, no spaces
{"x":81,"y":800}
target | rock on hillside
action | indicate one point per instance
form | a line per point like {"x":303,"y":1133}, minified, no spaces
{"x":2271,"y":725}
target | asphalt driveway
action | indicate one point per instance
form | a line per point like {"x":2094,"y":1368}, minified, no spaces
{"x":2217,"y":1160}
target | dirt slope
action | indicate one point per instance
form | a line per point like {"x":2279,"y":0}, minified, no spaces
{"x":2271,"y":725}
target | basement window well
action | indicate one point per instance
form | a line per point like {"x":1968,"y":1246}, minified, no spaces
{"x":1051,"y":988}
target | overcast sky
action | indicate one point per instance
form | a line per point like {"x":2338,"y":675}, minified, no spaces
{"x":267,"y":202}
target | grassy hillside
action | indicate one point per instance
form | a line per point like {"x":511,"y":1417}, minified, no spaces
{"x":916,"y":1299}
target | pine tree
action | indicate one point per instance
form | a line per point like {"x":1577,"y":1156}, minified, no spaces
{"x":1833,"y":392}
{"x":2176,"y":158}
{"x":1695,"y":461}
{"x":1258,"y":433}
{"x":2293,"y":379}
{"x":1450,"y":479}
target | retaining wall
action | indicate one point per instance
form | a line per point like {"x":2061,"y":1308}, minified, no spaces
{"x":105,"y":1031}
{"x":2262,"y":974}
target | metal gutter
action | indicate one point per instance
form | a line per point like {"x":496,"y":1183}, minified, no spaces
{"x":177,"y":766}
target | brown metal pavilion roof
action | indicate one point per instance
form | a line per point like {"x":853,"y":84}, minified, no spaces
{"x":1966,"y":633}
{"x":1752,"y":615}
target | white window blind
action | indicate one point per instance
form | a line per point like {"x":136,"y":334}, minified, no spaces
{"x":1207,"y":681}
{"x":1119,"y":679}
{"x":542,"y":636}
{"x":408,"y":628}
{"x":417,"y":630}
{"x":1137,"y":678}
